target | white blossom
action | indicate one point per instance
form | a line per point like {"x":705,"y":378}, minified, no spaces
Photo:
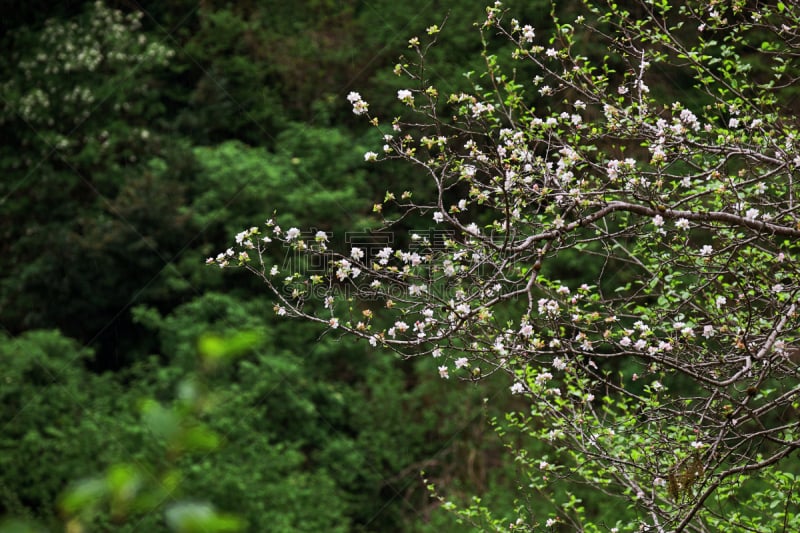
{"x":528,"y":33}
{"x":682,"y":223}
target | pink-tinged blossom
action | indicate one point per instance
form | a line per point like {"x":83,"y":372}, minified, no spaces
{"x":443,"y":373}
{"x":344,"y":270}
{"x":526,"y":330}
{"x":436,"y":353}
{"x":333,"y":322}
{"x":708,"y":331}
{"x":359,"y":105}
{"x":658,"y":221}
{"x":548,"y":307}
{"x":292,"y":234}
{"x":517,"y":388}
{"x":559,"y":363}
{"x":721,"y":301}
{"x":689,"y":118}
{"x":480,"y":108}
{"x":528,"y":34}
{"x":462,"y":362}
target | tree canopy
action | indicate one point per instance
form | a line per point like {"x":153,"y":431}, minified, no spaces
{"x":653,"y":149}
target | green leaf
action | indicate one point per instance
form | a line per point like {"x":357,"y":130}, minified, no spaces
{"x":194,"y":517}
{"x":83,"y":495}
{"x":214,"y":348}
{"x":198,"y":438}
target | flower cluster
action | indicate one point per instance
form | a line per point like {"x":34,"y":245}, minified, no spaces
{"x":360,"y":107}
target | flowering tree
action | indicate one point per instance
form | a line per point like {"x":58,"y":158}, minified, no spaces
{"x":665,"y":373}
